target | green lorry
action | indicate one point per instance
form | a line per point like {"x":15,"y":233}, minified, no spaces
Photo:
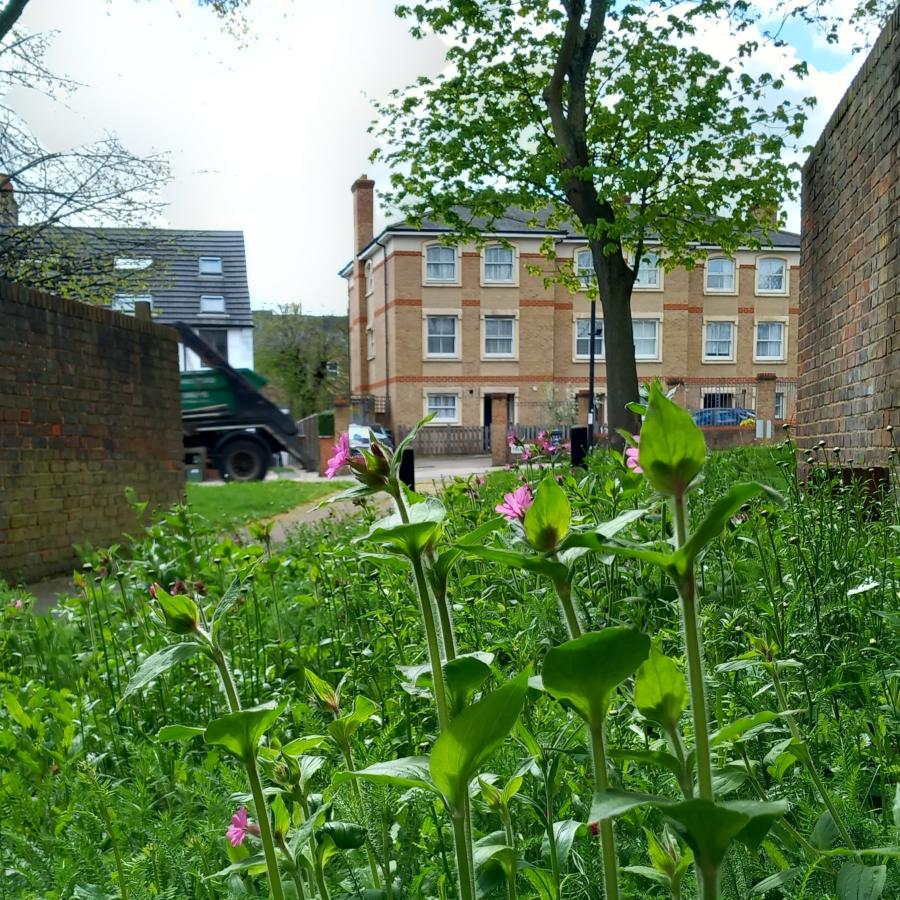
{"x":227,"y":422}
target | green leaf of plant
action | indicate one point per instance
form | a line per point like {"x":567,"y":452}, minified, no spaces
{"x":281,"y":816}
{"x":716,"y":519}
{"x":440,"y":571}
{"x":324,"y":691}
{"x":744,"y":728}
{"x":472,"y":737}
{"x":412,"y":537}
{"x":647,"y":872}
{"x":597,"y":536}
{"x":825,"y":832}
{"x":543,"y":883}
{"x":240,"y":732}
{"x":548,"y":518}
{"x":253,"y":865}
{"x":300,"y":745}
{"x":586,"y":671}
{"x":660,"y":690}
{"x":613,"y":803}
{"x":158,"y":663}
{"x":180,"y":613}
{"x":406,"y":442}
{"x":672,"y":450}
{"x":408,"y":772}
{"x":565,"y":833}
{"x":493,"y":848}
{"x":896,"y":807}
{"x":779,"y":879}
{"x":649,"y":757}
{"x":858,"y":882}
{"x":346,"y":835}
{"x":343,"y":729}
{"x":463,"y":676}
{"x":178,"y":732}
{"x":556,"y":572}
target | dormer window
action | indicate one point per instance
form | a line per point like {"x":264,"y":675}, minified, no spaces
{"x":210,"y":265}
{"x":212,"y":303}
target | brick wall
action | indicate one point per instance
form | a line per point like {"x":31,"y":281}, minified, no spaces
{"x":89,"y":405}
{"x":850,"y":271}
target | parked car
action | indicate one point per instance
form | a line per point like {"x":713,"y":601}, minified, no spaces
{"x":732,"y":416}
{"x":359,"y":437}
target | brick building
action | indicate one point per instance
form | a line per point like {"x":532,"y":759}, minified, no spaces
{"x":435,"y":328}
{"x":849,"y":328}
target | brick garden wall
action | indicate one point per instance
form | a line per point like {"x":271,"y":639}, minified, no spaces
{"x":89,"y":405}
{"x":849,"y":339}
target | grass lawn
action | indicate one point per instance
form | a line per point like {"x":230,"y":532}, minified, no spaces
{"x":237,"y":503}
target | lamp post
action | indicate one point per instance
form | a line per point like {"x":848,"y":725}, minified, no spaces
{"x":591,"y":351}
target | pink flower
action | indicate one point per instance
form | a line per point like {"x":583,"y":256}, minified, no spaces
{"x":526,"y":453}
{"x":516,"y":503}
{"x":19,"y":603}
{"x":513,"y":440}
{"x":240,"y":827}
{"x":631,"y":457}
{"x":341,"y":456}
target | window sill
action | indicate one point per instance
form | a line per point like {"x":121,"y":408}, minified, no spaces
{"x":587,"y":359}
{"x":441,"y":283}
{"x":647,"y":290}
{"x":495,"y":357}
{"x":717,"y":361}
{"x":711,"y":292}
{"x":213,"y":315}
{"x":760,"y":293}
{"x":770,"y":359}
{"x":441,"y":358}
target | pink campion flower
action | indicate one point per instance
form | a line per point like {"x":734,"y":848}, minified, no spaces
{"x":526,"y":453}
{"x":19,"y":603}
{"x":516,"y":503}
{"x":340,"y":457}
{"x":631,"y":457}
{"x":512,"y":440}
{"x":240,"y":827}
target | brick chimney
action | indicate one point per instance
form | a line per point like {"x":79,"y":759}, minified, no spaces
{"x":363,"y":190}
{"x":9,"y":207}
{"x":766,"y":215}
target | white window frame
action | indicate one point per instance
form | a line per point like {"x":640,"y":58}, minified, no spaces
{"x":764,"y":292}
{"x":124,"y":303}
{"x":513,"y":315}
{"x":735,"y":269}
{"x":132,"y":264}
{"x":660,"y":274}
{"x":454,"y":314}
{"x":370,"y":277}
{"x":457,"y":395}
{"x":213,"y":312}
{"x":771,"y":320}
{"x":585,"y":282}
{"x":441,"y":282}
{"x":208,"y":259}
{"x":721,"y":320}
{"x":586,"y":357}
{"x":370,"y":343}
{"x":649,"y":317}
{"x":513,"y":280}
{"x":783,"y":396}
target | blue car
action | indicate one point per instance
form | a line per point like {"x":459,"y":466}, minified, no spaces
{"x":722,"y":416}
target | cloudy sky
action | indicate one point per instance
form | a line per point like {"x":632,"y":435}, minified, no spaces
{"x":266,"y":133}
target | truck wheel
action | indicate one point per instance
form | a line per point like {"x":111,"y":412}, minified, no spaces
{"x":244,"y":460}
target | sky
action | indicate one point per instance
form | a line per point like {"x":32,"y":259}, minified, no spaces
{"x":266,"y":133}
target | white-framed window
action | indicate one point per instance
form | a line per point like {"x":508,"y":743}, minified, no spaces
{"x":779,"y":405}
{"x":370,"y":343}
{"x":499,"y":336}
{"x":646,"y":338}
{"x":212,"y":303}
{"x":210,"y":265}
{"x":769,"y":344}
{"x":720,"y":275}
{"x":217,"y":338}
{"x":771,"y":275}
{"x":441,"y":336}
{"x":130,"y":264}
{"x":718,"y":341}
{"x":649,"y":273}
{"x":584,"y":269}
{"x":499,"y":265}
{"x":370,"y":277}
{"x":441,"y":264}
{"x":583,"y":339}
{"x":125,"y":302}
{"x":444,"y":406}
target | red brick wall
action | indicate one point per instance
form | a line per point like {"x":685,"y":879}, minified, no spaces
{"x":89,"y":405}
{"x":849,"y":330}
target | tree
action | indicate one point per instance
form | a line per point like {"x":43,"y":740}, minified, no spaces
{"x":603,"y":115}
{"x":304,"y":357}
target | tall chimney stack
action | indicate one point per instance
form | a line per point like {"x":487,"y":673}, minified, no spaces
{"x":9,"y":207}
{"x":363,"y":190}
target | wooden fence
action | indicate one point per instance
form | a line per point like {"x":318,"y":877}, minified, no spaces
{"x":449,"y":440}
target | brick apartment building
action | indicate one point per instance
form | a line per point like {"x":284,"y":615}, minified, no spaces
{"x":435,"y":328}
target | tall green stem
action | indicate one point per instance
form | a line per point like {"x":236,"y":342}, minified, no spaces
{"x":687,"y":590}
{"x":511,"y":892}
{"x":570,"y":614}
{"x":463,"y":864}
{"x":607,"y":837}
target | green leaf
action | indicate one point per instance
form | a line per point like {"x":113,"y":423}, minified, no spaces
{"x":858,"y":882}
{"x":896,"y":807}
{"x":548,"y":518}
{"x":647,"y":872}
{"x":178,"y":732}
{"x":652,"y":758}
{"x":672,"y":450}
{"x":556,"y":572}
{"x":825,"y":833}
{"x":412,"y":537}
{"x":325,"y":692}
{"x":543,"y":883}
{"x":744,"y":728}
{"x":565,"y":833}
{"x":586,"y":671}
{"x":408,"y":772}
{"x":472,"y":737}
{"x":240,"y":732}
{"x":406,"y":442}
{"x":343,"y":729}
{"x":281,"y":816}
{"x":779,"y":879}
{"x":440,"y":570}
{"x":598,"y":544}
{"x":660,"y":690}
{"x":463,"y":676}
{"x":179,"y":612}
{"x":300,"y":745}
{"x":346,"y":835}
{"x":717,"y":518}
{"x":253,"y":865}
{"x":493,"y":852}
{"x":158,"y":663}
{"x":597,"y":537}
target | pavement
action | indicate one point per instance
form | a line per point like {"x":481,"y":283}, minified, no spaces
{"x":432,"y":474}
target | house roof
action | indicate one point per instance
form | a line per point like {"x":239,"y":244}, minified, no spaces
{"x":534,"y":224}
